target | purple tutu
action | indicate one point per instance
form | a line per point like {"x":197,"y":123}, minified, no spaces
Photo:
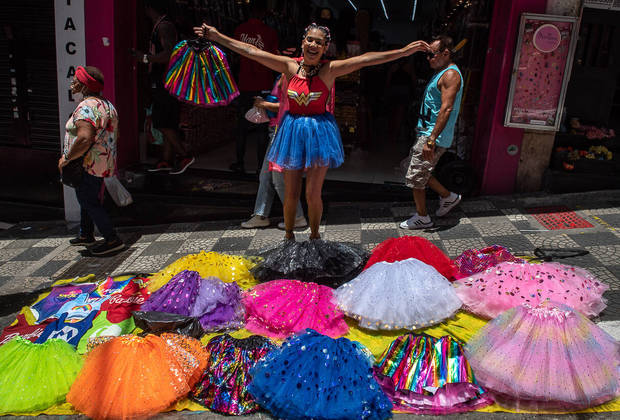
{"x":177,"y":296}
{"x":218,"y":305}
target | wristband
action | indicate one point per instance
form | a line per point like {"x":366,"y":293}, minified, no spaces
{"x":145,"y":58}
{"x":430,"y":142}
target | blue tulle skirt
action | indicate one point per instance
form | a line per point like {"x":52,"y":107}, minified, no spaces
{"x":307,"y":141}
{"x":312,"y":376}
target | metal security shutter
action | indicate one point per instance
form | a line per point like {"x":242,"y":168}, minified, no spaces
{"x":28,"y":92}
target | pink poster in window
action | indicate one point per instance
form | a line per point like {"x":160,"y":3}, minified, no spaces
{"x":539,"y":81}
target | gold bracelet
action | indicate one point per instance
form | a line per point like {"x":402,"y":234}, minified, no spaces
{"x":430,"y":142}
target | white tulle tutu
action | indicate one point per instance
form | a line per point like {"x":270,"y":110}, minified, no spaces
{"x":405,"y":294}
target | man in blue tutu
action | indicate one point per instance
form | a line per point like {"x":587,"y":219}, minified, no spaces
{"x":435,"y":133}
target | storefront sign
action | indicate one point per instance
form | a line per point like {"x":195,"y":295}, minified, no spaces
{"x":542,"y":65}
{"x":70,"y":53}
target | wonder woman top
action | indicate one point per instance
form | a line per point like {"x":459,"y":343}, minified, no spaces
{"x":307,"y":96}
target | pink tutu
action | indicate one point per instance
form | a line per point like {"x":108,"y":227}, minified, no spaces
{"x":280,"y":308}
{"x":507,"y":285}
{"x":549,"y":357}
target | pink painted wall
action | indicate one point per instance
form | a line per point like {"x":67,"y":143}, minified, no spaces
{"x":115,"y":20}
{"x":496,"y":169}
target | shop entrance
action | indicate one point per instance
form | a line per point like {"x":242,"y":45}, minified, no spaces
{"x":376,"y":109}
{"x":586,"y":148}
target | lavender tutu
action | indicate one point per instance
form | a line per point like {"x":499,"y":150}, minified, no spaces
{"x":218,"y":305}
{"x":177,"y":296}
{"x":547,"y":357}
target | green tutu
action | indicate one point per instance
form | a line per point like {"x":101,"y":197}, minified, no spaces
{"x":34,"y":377}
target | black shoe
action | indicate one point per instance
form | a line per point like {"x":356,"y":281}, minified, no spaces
{"x":237,"y":167}
{"x":107,"y":247}
{"x":80,"y":241}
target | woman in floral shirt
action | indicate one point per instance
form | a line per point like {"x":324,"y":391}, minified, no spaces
{"x":92,"y":132}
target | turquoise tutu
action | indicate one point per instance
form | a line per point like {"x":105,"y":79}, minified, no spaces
{"x":307,"y":141}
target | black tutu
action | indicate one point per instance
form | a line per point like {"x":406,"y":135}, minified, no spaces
{"x":324,"y":262}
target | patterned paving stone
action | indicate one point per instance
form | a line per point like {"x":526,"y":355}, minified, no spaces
{"x":369,"y":246}
{"x":353,"y":225}
{"x":50,"y":268}
{"x":33,"y":254}
{"x":182,"y":227}
{"x":239,"y":244}
{"x":552,"y":240}
{"x":353,"y":236}
{"x":239,"y":233}
{"x":496,"y":229}
{"x":19,"y":284}
{"x":377,"y":235}
{"x":514,"y":214}
{"x":517,"y":244}
{"x":13,"y":268}
{"x":455,"y":247}
{"x":375,"y":212}
{"x":52,"y":242}
{"x":196,"y":245}
{"x":606,"y":254}
{"x":5,"y":242}
{"x":612,"y":311}
{"x":162,"y":247}
{"x":451,"y":220}
{"x":149,"y":263}
{"x":526,"y":226}
{"x":606,"y":276}
{"x":149,"y":237}
{"x":426,"y":234}
{"x":7,"y":254}
{"x":378,"y":223}
{"x":22,"y":243}
{"x":459,"y":232}
{"x":260,"y":243}
{"x":206,"y":234}
{"x":173,"y":236}
{"x":595,"y":238}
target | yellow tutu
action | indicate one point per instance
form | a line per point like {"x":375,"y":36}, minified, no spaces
{"x":227,"y":268}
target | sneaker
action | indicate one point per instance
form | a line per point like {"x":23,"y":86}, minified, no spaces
{"x":417,"y":222}
{"x":107,"y":247}
{"x":185,"y":163}
{"x":447,"y":204}
{"x":80,"y":241}
{"x":300,"y":222}
{"x":162,"y":165}
{"x":256,"y":221}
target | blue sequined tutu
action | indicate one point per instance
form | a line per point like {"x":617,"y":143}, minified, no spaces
{"x":307,"y":141}
{"x":318,"y":377}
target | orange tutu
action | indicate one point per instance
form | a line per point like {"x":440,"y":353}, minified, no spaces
{"x":190,"y":352}
{"x":134,"y":377}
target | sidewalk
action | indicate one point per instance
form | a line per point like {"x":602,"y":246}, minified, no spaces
{"x":33,"y":254}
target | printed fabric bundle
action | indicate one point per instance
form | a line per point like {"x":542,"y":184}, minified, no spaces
{"x":473,"y":261}
{"x":198,"y":73}
{"x":547,"y":357}
{"x":427,"y":375}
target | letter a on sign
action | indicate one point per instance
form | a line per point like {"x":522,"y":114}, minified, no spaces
{"x":69,"y":24}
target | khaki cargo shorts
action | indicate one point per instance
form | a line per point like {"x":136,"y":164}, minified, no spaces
{"x":419,"y":170}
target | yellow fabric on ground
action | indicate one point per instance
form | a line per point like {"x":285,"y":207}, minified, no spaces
{"x":227,"y":268}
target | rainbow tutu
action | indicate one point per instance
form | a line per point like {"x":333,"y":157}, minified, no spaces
{"x":198,"y":73}
{"x":426,"y":375}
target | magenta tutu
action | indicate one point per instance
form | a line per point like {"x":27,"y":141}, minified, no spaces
{"x":280,"y":308}
{"x":507,"y":285}
{"x":473,"y":261}
{"x":548,"y":357}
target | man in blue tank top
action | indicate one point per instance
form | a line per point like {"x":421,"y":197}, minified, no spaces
{"x":435,"y":132}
